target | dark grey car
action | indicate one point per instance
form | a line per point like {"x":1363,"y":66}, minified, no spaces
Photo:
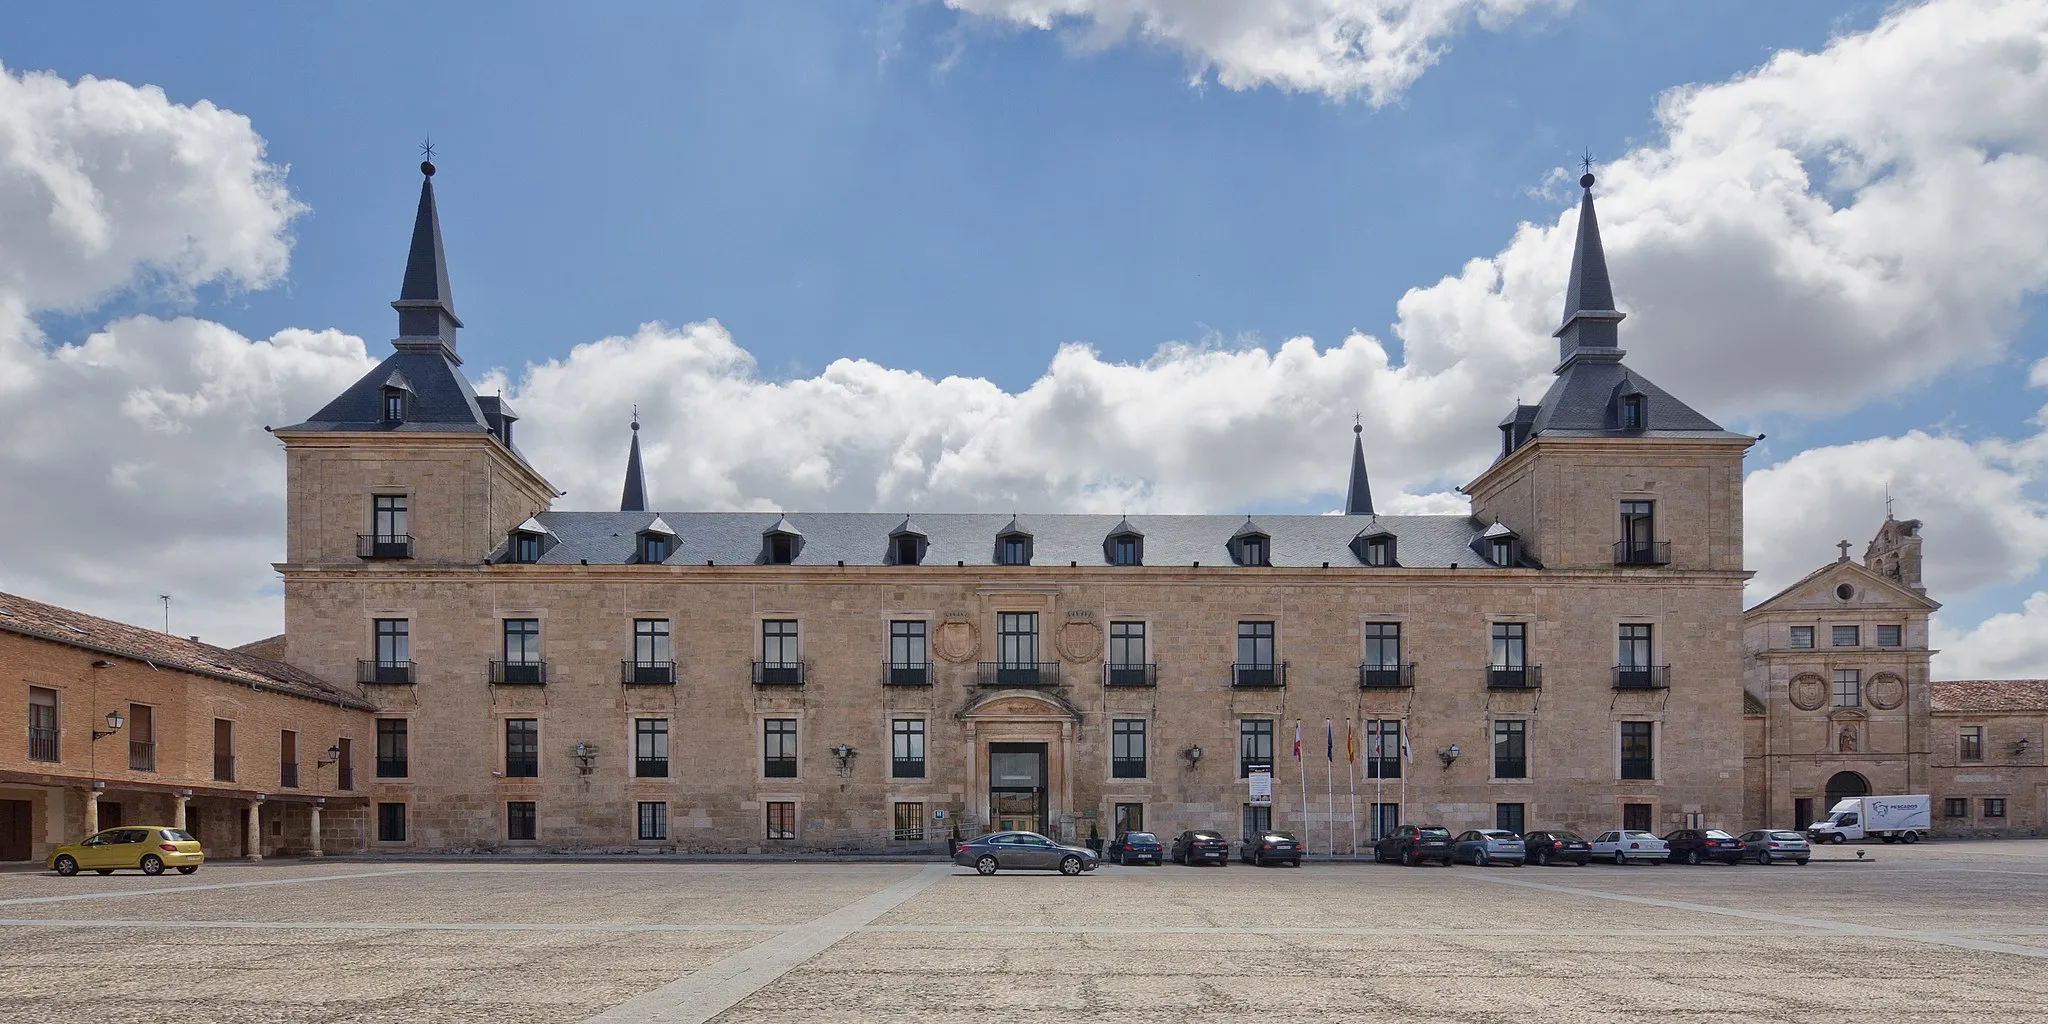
{"x":1024,"y":851}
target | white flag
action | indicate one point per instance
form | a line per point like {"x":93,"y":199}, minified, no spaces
{"x":1407,"y":753}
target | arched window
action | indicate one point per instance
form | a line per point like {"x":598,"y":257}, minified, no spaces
{"x":1846,"y":784}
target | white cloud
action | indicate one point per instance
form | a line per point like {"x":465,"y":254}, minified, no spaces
{"x":1338,"y":48}
{"x":2005,"y":646}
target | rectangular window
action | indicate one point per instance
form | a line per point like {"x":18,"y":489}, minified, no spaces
{"x":1638,"y":753}
{"x":906,"y":743}
{"x":224,"y":751}
{"x":1802,"y":637}
{"x":909,"y":823}
{"x":1511,"y":750}
{"x":1890,"y":636}
{"x":1013,"y":549}
{"x":1385,"y":817}
{"x":1127,"y":644}
{"x":141,"y":738}
{"x":1257,"y":820}
{"x":1379,"y":551}
{"x":344,"y":749}
{"x":909,"y":644}
{"x":1382,"y":645}
{"x":1127,"y":748}
{"x":1970,"y":743}
{"x":1635,"y":646}
{"x":653,"y":820}
{"x":526,"y":548}
{"x":650,"y":748}
{"x":1848,"y":636}
{"x":1638,"y":532}
{"x":653,"y":548}
{"x":522,"y":748}
{"x":1255,"y":645}
{"x":391,"y":823}
{"x":388,"y":523}
{"x":1254,"y":745}
{"x":394,"y":647}
{"x":1994,"y":807}
{"x":651,"y":647}
{"x":779,"y":643}
{"x":1123,"y":550}
{"x":1848,"y":688}
{"x":1383,"y":748}
{"x":778,"y":748}
{"x":1508,"y":816}
{"x":1637,"y":817}
{"x":1253,"y":551}
{"x":288,"y":759}
{"x":519,"y":820}
{"x":522,"y":651}
{"x":907,"y":552}
{"x":1017,"y":639}
{"x":781,"y":819}
{"x":1127,"y":818}
{"x":391,"y":755}
{"x":1955,"y":807}
{"x":1510,"y":646}
{"x":42,"y":724}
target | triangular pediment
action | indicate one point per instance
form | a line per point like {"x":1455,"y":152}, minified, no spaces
{"x":1868,"y":591}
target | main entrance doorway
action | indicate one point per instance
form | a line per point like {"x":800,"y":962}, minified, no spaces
{"x":16,"y":843}
{"x":1016,"y":787}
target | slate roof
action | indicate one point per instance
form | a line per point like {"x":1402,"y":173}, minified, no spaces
{"x":76,"y":629}
{"x":1985,"y":696}
{"x":443,"y":401}
{"x":862,"y":538}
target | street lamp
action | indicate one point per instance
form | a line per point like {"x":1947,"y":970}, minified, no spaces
{"x":333,"y":755}
{"x":115,"y":720}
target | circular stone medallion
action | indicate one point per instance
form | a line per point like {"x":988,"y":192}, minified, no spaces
{"x":1885,"y":692}
{"x":1809,"y":692}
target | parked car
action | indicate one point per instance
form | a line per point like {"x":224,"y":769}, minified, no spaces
{"x":1137,"y":848}
{"x":1270,"y":847}
{"x":1699,"y":845}
{"x":1630,"y":847}
{"x":1483,"y":846}
{"x":1414,"y":844}
{"x":1556,"y":846}
{"x":146,"y":848}
{"x":1766,"y":845}
{"x":1024,"y":851}
{"x":1195,"y":847}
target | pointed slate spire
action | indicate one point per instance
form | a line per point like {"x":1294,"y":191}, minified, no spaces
{"x":425,"y":305}
{"x":634,"y":497}
{"x":1589,"y":314}
{"x":1358,"y":500}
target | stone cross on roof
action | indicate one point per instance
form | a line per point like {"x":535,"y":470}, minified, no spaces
{"x":1844,"y":545}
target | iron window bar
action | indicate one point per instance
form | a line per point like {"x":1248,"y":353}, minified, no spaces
{"x":779,"y":673}
{"x":647,"y":673}
{"x":42,"y":743}
{"x":223,"y":767}
{"x":1386,"y":677}
{"x":1523,"y":677}
{"x":1257,"y":676}
{"x":1637,"y":552}
{"x":142,"y":755}
{"x":894,"y":674}
{"x":1642,"y":677}
{"x":650,"y":767}
{"x":1019,"y":673}
{"x":372,"y":671}
{"x":288,"y":775}
{"x":1135,"y":674}
{"x":347,"y":779}
{"x":383,"y":545}
{"x":519,"y":673}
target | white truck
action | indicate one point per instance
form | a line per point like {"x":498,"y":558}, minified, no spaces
{"x":1894,"y":819}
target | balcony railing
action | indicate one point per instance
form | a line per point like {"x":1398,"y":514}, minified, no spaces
{"x":647,"y":673}
{"x":379,"y":545}
{"x":392,"y":767}
{"x":1258,"y":676}
{"x":141,"y":755}
{"x":1386,"y":677}
{"x":1130,"y":675}
{"x":906,"y":675}
{"x":1020,"y":673}
{"x":519,"y":673}
{"x":42,"y":744}
{"x":372,"y":671}
{"x":906,"y":768}
{"x":345,"y":779}
{"x":1639,"y":552}
{"x":650,"y":767}
{"x":779,"y":673}
{"x":223,"y":767}
{"x":1642,"y":677}
{"x":288,"y":775}
{"x":1506,"y":677}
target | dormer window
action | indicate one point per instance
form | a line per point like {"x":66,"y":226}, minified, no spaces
{"x":781,"y":543}
{"x":1502,"y":550}
{"x":1251,"y":545}
{"x":525,"y":548}
{"x":1124,"y":545}
{"x":907,"y":544}
{"x":394,"y":405}
{"x":1374,"y":549}
{"x":1013,"y":549}
{"x":1507,"y":440}
{"x":1631,"y":412}
{"x":653,"y":548}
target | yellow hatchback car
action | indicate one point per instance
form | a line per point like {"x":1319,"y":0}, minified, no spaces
{"x":146,"y":848}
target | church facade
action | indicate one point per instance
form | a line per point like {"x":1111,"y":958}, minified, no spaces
{"x":1568,"y":654}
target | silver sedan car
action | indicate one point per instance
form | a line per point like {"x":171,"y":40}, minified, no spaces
{"x":1769,"y":845}
{"x":1483,"y":846}
{"x":1025,"y":851}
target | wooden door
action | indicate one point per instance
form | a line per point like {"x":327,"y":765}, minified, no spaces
{"x":16,"y":843}
{"x":110,"y":814}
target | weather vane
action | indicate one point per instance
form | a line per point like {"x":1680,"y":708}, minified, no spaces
{"x":1586,"y":162}
{"x":427,"y":148}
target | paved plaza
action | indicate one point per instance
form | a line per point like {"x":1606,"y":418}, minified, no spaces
{"x":1937,"y":932}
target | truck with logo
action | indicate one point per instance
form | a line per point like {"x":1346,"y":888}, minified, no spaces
{"x":1894,"y":819}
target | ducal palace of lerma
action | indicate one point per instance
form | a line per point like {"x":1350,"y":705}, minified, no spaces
{"x":500,"y":673}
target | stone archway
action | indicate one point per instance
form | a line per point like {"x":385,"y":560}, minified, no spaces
{"x":1842,"y":785}
{"x":1009,"y":724}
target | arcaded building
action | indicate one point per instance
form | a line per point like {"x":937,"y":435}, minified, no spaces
{"x":1569,"y":653}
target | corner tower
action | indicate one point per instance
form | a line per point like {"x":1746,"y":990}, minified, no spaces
{"x":1608,"y":469}
{"x":408,"y":466}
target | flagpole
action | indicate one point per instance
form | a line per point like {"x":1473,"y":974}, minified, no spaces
{"x":1379,"y":778}
{"x":1329,"y":783}
{"x":1406,"y":763}
{"x":1351,"y":769}
{"x":1301,"y":768}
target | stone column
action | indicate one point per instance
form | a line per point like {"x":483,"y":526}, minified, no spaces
{"x":92,"y":811}
{"x":254,"y":838}
{"x":178,"y":802}
{"x":314,"y":850}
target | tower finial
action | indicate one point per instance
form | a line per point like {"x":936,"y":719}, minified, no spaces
{"x":1358,"y":497}
{"x":633,"y":498}
{"x":427,"y":156}
{"x":426,"y":305}
{"x":1590,"y":319}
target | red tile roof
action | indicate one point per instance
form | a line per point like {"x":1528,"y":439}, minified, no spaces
{"x":89,"y":632}
{"x":1991,"y":695}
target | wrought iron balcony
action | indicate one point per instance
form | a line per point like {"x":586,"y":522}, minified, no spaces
{"x":288,"y":775}
{"x":141,"y":755}
{"x":1507,"y":677}
{"x":392,"y":768}
{"x":1020,"y":673}
{"x":1642,"y":677}
{"x":1146,"y":674}
{"x":906,"y":675}
{"x":223,"y":768}
{"x":42,"y":744}
{"x":647,"y":673}
{"x":346,"y":779}
{"x":1386,"y":677}
{"x":650,"y":767}
{"x":383,"y":545}
{"x":1642,"y":552}
{"x":519,"y":673}
{"x":779,"y":673}
{"x":371,"y":671}
{"x":1257,"y":676}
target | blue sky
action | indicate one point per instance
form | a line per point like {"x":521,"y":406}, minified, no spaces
{"x":933,"y":191}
